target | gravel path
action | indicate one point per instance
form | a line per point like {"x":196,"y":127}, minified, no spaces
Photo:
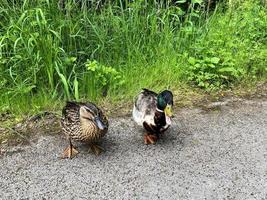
{"x":216,"y":154}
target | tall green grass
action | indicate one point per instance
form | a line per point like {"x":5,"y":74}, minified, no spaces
{"x":80,"y":52}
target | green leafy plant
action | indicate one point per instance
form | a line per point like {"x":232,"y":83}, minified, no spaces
{"x":212,"y":72}
{"x":69,"y":81}
{"x":102,"y":78}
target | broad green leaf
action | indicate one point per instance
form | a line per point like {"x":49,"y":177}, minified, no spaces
{"x":227,"y":69}
{"x":211,"y":65}
{"x":197,"y":1}
{"x":181,"y":1}
{"x":192,"y":60}
{"x":215,"y":60}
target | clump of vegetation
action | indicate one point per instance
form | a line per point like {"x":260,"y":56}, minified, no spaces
{"x":212,"y":73}
{"x":79,"y":51}
{"x":224,"y":57}
{"x":102,"y":78}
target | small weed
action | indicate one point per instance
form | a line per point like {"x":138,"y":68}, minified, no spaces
{"x":101,"y":78}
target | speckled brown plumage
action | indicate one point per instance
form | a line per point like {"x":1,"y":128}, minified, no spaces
{"x":79,"y":124}
{"x":79,"y":129}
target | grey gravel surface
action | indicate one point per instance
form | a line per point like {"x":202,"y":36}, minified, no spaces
{"x":216,"y":154}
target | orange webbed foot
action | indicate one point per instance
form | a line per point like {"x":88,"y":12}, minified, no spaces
{"x":150,"y":139}
{"x":96,"y":149}
{"x":70,"y":152}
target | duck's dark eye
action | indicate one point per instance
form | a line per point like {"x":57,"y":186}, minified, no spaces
{"x":88,"y":110}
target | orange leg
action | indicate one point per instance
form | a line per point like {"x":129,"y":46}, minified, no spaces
{"x":150,"y":139}
{"x":70,"y":151}
{"x":96,"y":149}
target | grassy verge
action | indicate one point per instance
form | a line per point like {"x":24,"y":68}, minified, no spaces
{"x":48,"y":55}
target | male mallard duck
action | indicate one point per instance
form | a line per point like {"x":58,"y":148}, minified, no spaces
{"x":153,"y":111}
{"x":83,"y":122}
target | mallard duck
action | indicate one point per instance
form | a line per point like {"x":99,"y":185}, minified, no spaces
{"x":83,"y":122}
{"x":153,"y":111}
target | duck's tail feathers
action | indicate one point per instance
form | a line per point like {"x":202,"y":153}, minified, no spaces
{"x":147,"y":92}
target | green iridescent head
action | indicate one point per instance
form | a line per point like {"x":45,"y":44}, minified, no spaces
{"x":165,"y":102}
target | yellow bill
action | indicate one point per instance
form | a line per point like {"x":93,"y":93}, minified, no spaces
{"x":168,"y":110}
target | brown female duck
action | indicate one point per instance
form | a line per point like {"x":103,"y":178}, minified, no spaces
{"x":83,"y":122}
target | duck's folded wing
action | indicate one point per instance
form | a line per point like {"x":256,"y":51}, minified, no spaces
{"x":71,"y":111}
{"x":145,"y":106}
